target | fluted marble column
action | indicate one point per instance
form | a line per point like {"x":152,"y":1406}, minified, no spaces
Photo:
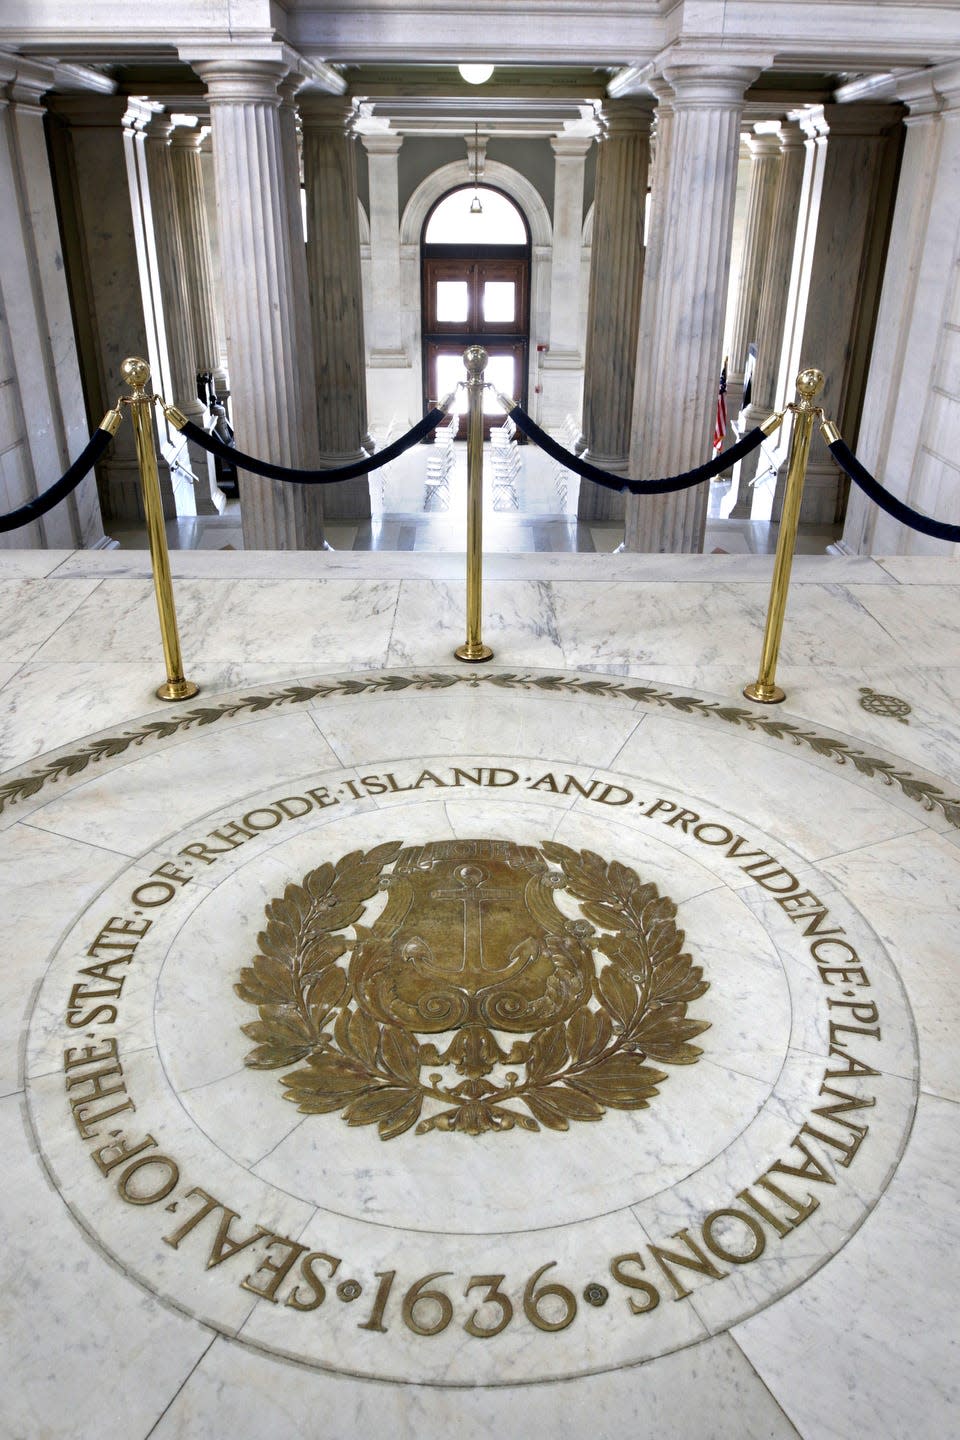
{"x":616,"y":284}
{"x":772,"y":311}
{"x":646,"y":394}
{"x":173,"y":314}
{"x":693,"y":277}
{"x":839,"y":284}
{"x":309,"y":502}
{"x":171,"y":268}
{"x":43,"y":424}
{"x":336,"y":297}
{"x":765,"y":161}
{"x":260,"y":297}
{"x":103,"y":254}
{"x":195,"y":239}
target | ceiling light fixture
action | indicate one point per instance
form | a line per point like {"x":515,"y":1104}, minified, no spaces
{"x":475,"y":207}
{"x":475,"y":74}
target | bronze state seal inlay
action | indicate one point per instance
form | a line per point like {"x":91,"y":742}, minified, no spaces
{"x":472,"y":1001}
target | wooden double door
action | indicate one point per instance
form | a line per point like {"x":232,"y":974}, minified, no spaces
{"x":482,"y":297}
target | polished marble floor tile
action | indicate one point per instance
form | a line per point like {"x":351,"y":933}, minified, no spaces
{"x":764,"y":1247}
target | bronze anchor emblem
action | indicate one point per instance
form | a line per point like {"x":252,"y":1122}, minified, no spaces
{"x":551,"y":1013}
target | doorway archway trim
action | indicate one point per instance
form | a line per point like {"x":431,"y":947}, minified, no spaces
{"x":495,"y":173}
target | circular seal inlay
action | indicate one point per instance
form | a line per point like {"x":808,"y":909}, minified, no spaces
{"x":503,"y":1070}
{"x":401,"y":1022}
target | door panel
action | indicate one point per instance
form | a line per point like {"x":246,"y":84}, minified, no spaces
{"x":504,"y":371}
{"x":470,"y":299}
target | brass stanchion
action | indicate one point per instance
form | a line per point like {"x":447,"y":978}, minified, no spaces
{"x":765,"y":690}
{"x":136,"y":373}
{"x":473,"y":649}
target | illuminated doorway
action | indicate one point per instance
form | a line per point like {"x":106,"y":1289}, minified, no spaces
{"x":476,"y":290}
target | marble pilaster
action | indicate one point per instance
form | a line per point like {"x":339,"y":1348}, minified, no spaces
{"x":43,"y":424}
{"x":693,"y":270}
{"x":841,"y":261}
{"x":910,"y":427}
{"x":616,"y":284}
{"x":336,"y":296}
{"x":195,"y":239}
{"x":772,"y":309}
{"x":259,"y":292}
{"x":213,"y":234}
{"x":765,"y":161}
{"x":563,"y":362}
{"x":646,"y":394}
{"x":90,"y":158}
{"x":308,"y":502}
{"x":386,"y":352}
{"x":172,"y":306}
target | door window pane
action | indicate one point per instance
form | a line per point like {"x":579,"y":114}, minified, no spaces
{"x":452,"y":301}
{"x":499,"y":301}
{"x":501,"y":372}
{"x":450,"y":371}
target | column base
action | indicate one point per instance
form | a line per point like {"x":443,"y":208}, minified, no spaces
{"x":347,"y":499}
{"x":821,"y":493}
{"x":595,"y":501}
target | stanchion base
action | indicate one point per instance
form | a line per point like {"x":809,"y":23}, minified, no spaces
{"x":764,"y":694}
{"x":474,"y":653}
{"x":178,"y":690}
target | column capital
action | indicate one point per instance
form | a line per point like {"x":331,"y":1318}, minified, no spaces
{"x":332,"y":113}
{"x":381,"y":142}
{"x":791,"y":135}
{"x":709,"y":84}
{"x":765,"y":141}
{"x":186,"y":136}
{"x":570,"y":146}
{"x":158,"y":128}
{"x":812,"y":122}
{"x":928,"y":92}
{"x":633,"y":116}
{"x":25,"y":82}
{"x":242,"y":80}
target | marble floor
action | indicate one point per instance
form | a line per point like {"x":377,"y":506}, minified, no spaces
{"x":558,"y":1047}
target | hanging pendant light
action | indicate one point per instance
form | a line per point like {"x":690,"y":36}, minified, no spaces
{"x":475,"y":74}
{"x":475,"y":206}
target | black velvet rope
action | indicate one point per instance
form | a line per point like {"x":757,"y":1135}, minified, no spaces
{"x":712,"y":468}
{"x":872,"y":488}
{"x":313,"y":477}
{"x":61,"y":488}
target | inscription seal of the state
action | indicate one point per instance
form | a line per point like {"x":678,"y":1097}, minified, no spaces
{"x":472,"y":1001}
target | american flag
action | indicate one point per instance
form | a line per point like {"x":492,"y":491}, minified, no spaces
{"x":720,"y":424}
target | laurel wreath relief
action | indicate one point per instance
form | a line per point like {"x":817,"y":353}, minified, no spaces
{"x":372,"y":1071}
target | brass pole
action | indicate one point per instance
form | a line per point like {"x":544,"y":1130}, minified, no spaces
{"x":765,"y":689}
{"x":136,"y":373}
{"x":474,"y":650}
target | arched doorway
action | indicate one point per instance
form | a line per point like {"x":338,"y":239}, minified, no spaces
{"x":475,"y":269}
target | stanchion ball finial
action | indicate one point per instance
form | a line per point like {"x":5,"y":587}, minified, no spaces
{"x":809,"y":383}
{"x":475,"y":359}
{"x":136,"y":372}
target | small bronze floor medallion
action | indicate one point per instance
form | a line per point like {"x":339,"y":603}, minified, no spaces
{"x":472,"y":1001}
{"x":890,"y":705}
